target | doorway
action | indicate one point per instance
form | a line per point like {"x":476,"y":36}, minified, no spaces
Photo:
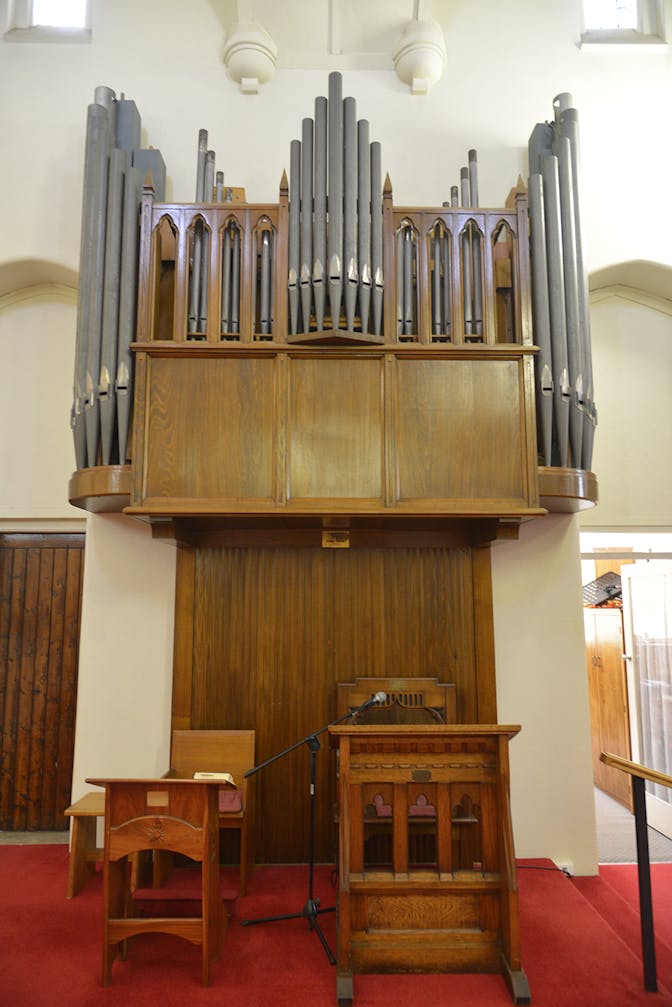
{"x":643,"y":562}
{"x":40,"y":601}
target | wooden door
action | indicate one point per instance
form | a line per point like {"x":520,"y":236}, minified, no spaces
{"x":40,"y":594}
{"x":608,"y":699}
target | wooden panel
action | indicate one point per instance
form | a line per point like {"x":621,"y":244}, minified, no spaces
{"x":335,"y":428}
{"x":607,"y":690}
{"x":211,"y":428}
{"x":275,"y":630}
{"x":40,"y":590}
{"x":460,"y":430}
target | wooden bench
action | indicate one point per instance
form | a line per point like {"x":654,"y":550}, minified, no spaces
{"x":84,"y":853}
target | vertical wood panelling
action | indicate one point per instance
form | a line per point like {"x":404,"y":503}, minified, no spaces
{"x":40,"y":590}
{"x":274,"y":631}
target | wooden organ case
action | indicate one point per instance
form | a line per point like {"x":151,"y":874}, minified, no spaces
{"x":334,"y":417}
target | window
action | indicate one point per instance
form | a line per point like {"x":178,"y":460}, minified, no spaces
{"x":613,"y":23}
{"x":48,"y":21}
{"x":59,"y":13}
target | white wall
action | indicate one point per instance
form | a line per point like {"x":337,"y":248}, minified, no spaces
{"x":126,"y":652}
{"x":505,"y":64}
{"x":36,"y":367}
{"x":542,"y":685}
{"x":632,"y":359}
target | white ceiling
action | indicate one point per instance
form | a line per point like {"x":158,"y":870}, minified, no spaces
{"x":331,"y":34}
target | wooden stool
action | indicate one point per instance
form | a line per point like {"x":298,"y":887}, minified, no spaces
{"x":83,"y":850}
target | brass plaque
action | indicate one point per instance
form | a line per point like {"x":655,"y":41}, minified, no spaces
{"x":335,"y":539}
{"x":421,"y":775}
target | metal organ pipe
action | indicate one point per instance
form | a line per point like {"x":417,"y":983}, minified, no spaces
{"x":364,"y":217}
{"x":306,"y":235}
{"x":294,"y":233}
{"x":197,"y":247}
{"x":567,"y":125}
{"x":553,"y":152}
{"x":350,"y":210}
{"x":335,"y":200}
{"x":320,"y":210}
{"x":96,"y":125}
{"x":101,"y":150}
{"x":571,"y":295}
{"x":111,"y":292}
{"x":476,"y":250}
{"x":541,"y":315}
{"x":335,"y":220}
{"x":377,"y":237}
{"x":107,"y":293}
{"x":127,"y":306}
{"x":556,"y":299}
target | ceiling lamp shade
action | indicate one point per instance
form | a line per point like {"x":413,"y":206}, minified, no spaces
{"x":421,"y":55}
{"x":250,"y":55}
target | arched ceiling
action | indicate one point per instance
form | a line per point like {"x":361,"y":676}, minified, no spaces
{"x":640,"y":275}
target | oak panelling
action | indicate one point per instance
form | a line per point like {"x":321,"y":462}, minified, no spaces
{"x":349,"y":431}
{"x":335,"y":428}
{"x":211,"y":428}
{"x":275,"y":630}
{"x":40,"y":588}
{"x":459,"y":426}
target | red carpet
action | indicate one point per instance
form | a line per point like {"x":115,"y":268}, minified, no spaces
{"x":50,"y":948}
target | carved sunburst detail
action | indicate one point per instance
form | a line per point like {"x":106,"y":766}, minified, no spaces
{"x":155,"y":831}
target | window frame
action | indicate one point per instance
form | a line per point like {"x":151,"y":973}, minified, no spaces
{"x":649,"y":33}
{"x":19,"y":26}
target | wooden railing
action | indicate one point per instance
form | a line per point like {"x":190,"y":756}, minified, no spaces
{"x":640,"y":774}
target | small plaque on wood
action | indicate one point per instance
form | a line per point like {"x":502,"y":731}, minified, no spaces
{"x":333,"y":538}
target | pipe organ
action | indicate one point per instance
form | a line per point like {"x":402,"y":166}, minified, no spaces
{"x":338,"y":404}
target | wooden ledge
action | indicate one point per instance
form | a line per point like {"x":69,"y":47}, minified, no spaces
{"x":103,"y":489}
{"x":566,"y":491}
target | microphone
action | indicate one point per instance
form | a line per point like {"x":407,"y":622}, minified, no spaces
{"x":377,"y":700}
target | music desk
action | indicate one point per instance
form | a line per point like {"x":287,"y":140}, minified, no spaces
{"x":160,"y":814}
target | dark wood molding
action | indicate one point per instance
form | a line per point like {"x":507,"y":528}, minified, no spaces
{"x":104,"y":489}
{"x":566,"y":491}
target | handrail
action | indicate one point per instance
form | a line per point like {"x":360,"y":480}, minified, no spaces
{"x":635,"y":769}
{"x":639,"y":774}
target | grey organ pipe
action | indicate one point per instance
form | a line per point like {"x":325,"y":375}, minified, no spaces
{"x":197,"y":246}
{"x":541,"y":316}
{"x":574,"y":361}
{"x":100,"y":152}
{"x":377,"y":237}
{"x":306,"y":236}
{"x":128,"y":292}
{"x":364,"y":218}
{"x":320,"y":211}
{"x":294,"y":234}
{"x":335,"y":205}
{"x":556,"y":295}
{"x":96,"y":127}
{"x":567,"y":124}
{"x":350,"y":210}
{"x":111,"y":291}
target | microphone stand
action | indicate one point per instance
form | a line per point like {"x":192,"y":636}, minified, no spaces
{"x":312,"y":908}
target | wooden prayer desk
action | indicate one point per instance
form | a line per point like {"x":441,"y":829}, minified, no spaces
{"x":163,"y":814}
{"x":458,"y":910}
